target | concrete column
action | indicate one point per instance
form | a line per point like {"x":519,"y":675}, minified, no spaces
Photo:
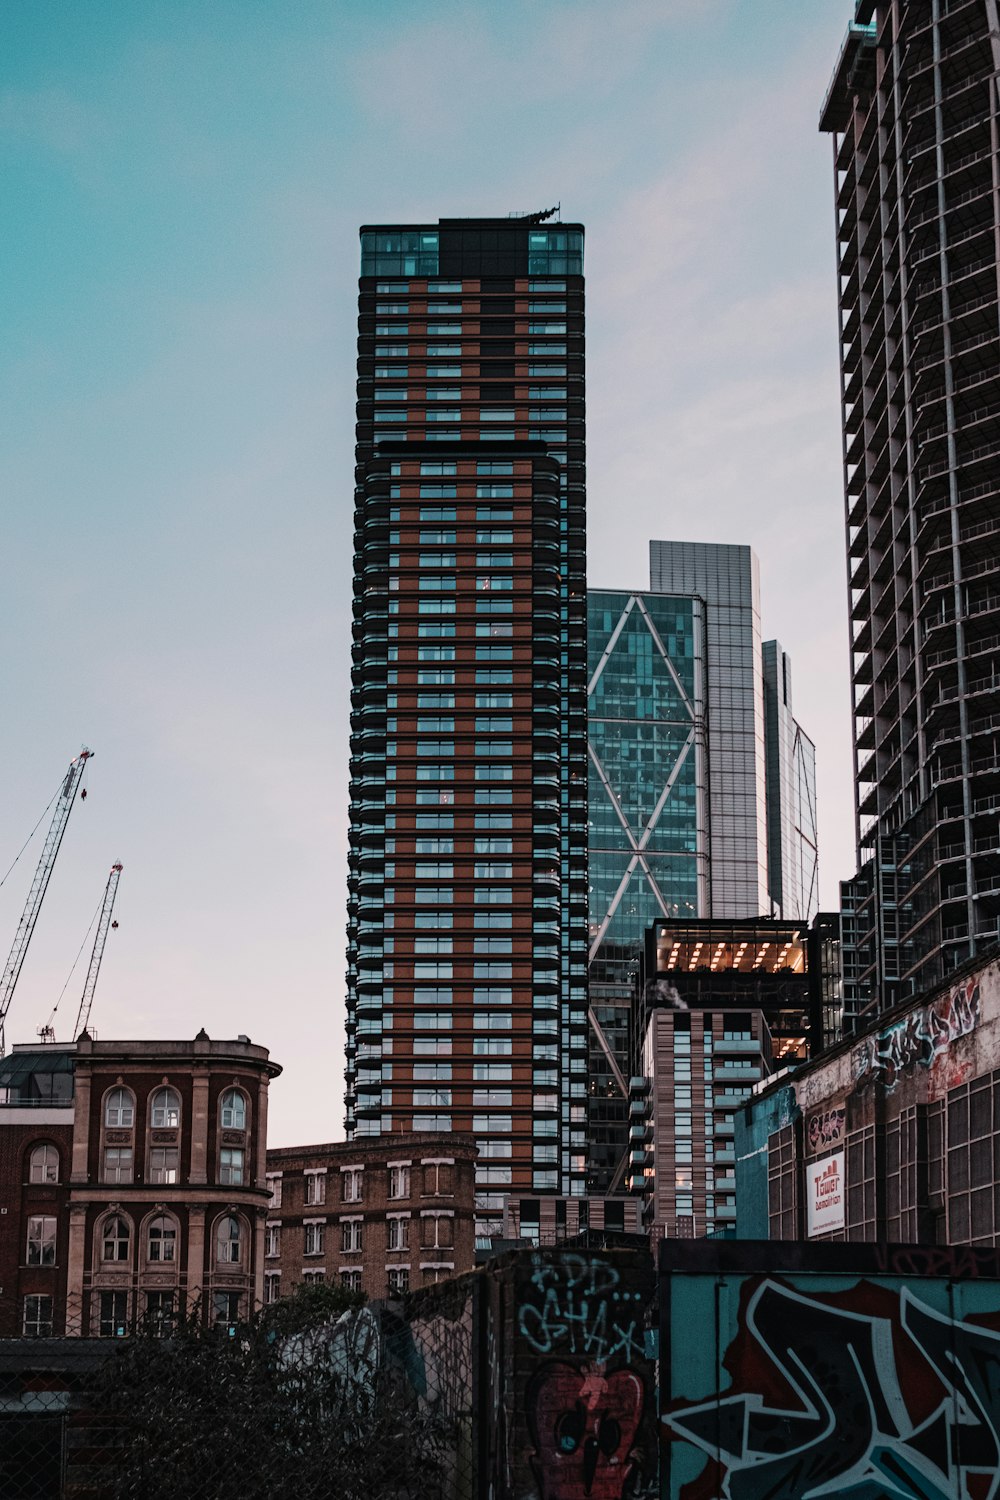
{"x":76,"y":1256}
{"x":260,"y":1125}
{"x":81,"y":1125}
{"x":195,"y":1255}
{"x":199,"y":1128}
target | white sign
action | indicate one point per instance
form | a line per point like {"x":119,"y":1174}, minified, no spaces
{"x":825,"y":1194}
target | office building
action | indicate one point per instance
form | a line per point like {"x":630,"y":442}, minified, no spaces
{"x":911,"y":113}
{"x":132,"y":1184}
{"x":553,"y":1221}
{"x":467,"y":906}
{"x":790,"y":786}
{"x":892,"y":1136}
{"x":722,"y":1005}
{"x":381,"y":1215}
{"x":702,"y":799}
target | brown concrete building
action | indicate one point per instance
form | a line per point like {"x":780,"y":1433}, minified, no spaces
{"x":382,"y":1215}
{"x":893,"y":1136}
{"x":550,"y":1221}
{"x":131,"y":1183}
{"x":467,"y":906}
{"x":723,"y":1004}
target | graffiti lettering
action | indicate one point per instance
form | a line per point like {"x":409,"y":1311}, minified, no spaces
{"x":850,"y":1428}
{"x":826,"y":1128}
{"x":960,"y":1262}
{"x":580,"y":1307}
{"x":918,"y":1039}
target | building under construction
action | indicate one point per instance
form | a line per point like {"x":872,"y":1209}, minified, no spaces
{"x":912,"y":113}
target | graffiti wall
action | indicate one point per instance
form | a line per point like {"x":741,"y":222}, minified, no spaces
{"x":830,"y":1375}
{"x":919,"y":1038}
{"x":583,"y":1376}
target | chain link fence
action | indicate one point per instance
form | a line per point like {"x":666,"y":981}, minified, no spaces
{"x":310,"y":1398}
{"x":534,"y":1376}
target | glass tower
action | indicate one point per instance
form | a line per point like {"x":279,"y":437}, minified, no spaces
{"x":467,"y":906}
{"x":647,"y":821}
{"x":912,"y":116}
{"x":702,"y":789}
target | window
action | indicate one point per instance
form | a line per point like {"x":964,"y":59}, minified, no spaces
{"x":439,"y":1179}
{"x":117,"y":1164}
{"x":352,"y":1184}
{"x":163,"y":1165}
{"x":314,"y":1238}
{"x":113,"y":1322}
{"x":115,"y":1239}
{"x":272,"y":1287}
{"x":272,"y":1240}
{"x":226,"y":1309}
{"x":231,"y":1165}
{"x":234,"y":1111}
{"x":350,"y":1236}
{"x":160,"y":1313}
{"x":274,"y":1187}
{"x":432,"y":1072}
{"x":314,"y":1187}
{"x":43,"y":1164}
{"x":166,"y":1110}
{"x":431,"y":1099}
{"x":399,"y":1181}
{"x":351,"y":1280}
{"x":398,"y":1232}
{"x":119,"y":1109}
{"x":37,"y":1320}
{"x":437,"y":1232}
{"x":41,"y":1241}
{"x":399,"y":1280}
{"x":227,"y":1241}
{"x":314,"y":1277}
{"x":161,"y":1240}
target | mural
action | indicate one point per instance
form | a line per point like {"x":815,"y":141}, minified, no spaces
{"x":868,"y":1393}
{"x":826,"y":1128}
{"x":918,"y":1039}
{"x":580,"y":1338}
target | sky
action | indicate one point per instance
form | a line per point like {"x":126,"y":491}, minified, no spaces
{"x":181,"y":185}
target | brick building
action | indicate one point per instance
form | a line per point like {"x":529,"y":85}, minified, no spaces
{"x":893,"y":1135}
{"x":383,"y":1215}
{"x":131,"y":1183}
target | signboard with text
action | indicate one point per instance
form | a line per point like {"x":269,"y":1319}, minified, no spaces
{"x":825,"y":1195}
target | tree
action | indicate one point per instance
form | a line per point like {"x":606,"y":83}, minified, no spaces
{"x":298,"y":1401}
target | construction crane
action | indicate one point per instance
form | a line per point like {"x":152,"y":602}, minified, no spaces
{"x":40,"y":884}
{"x":110,"y":892}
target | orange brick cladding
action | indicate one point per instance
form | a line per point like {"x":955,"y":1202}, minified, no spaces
{"x":412,"y":1225}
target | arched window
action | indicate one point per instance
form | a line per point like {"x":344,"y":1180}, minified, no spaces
{"x":119,"y":1109}
{"x":227,"y":1241}
{"x":234,"y":1110}
{"x":162,"y":1239}
{"x":166,"y":1111}
{"x":43,"y":1164}
{"x":115,"y":1239}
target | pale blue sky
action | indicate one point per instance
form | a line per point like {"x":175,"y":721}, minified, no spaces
{"x":180,"y":190}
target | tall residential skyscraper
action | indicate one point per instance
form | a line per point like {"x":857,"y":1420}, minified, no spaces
{"x":702,"y":788}
{"x":912,"y":111}
{"x":467,"y":909}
